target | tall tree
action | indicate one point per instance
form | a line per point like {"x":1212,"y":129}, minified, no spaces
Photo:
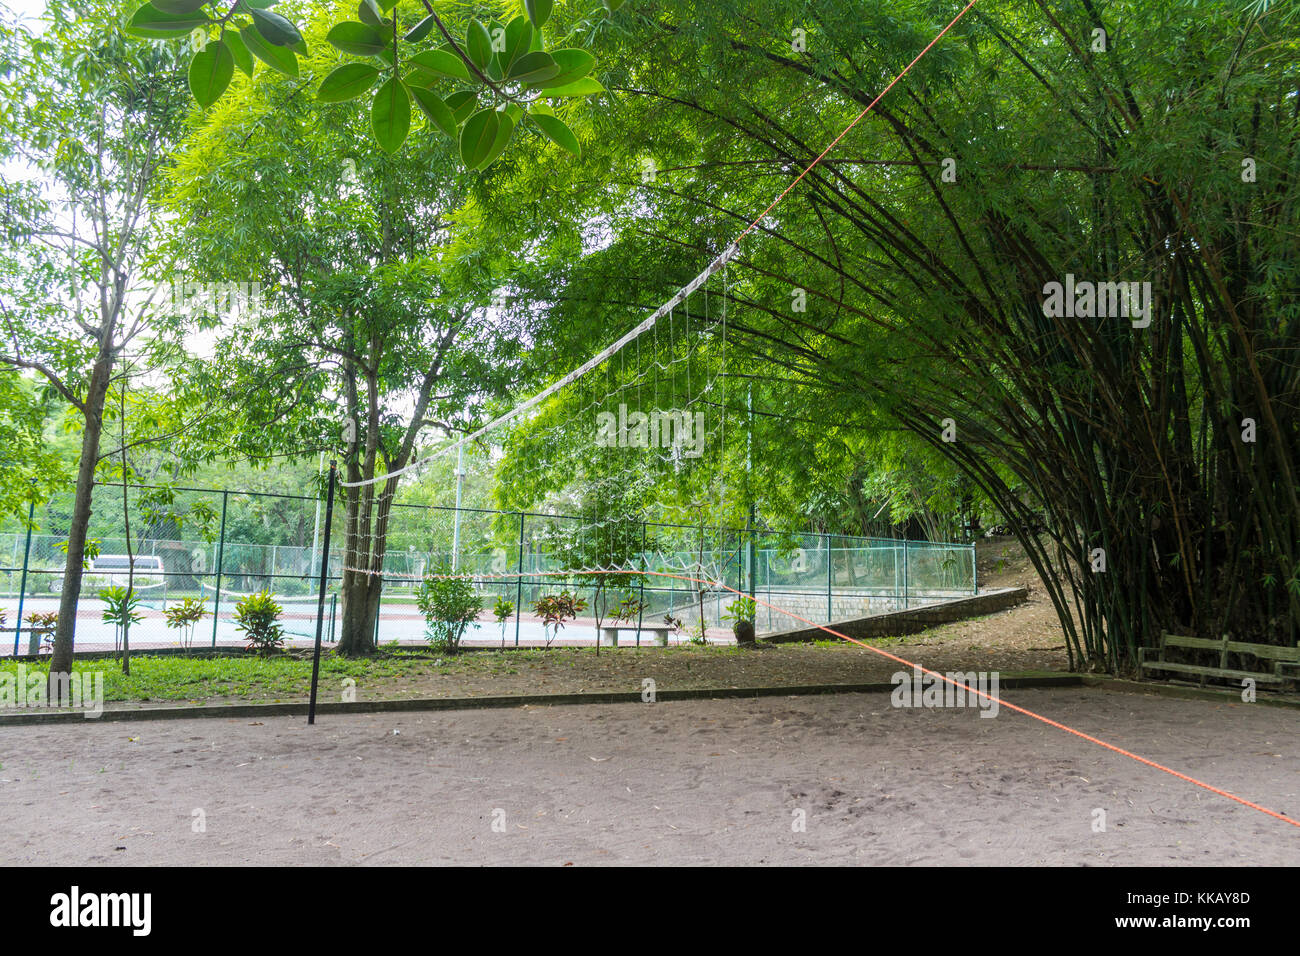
{"x":374,"y":276}
{"x":92,"y":115}
{"x":1034,"y":145}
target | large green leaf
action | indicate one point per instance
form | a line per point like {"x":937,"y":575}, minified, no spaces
{"x":505,"y":127}
{"x":239,"y":50}
{"x":347,"y":82}
{"x":390,"y":117}
{"x":462,"y":104}
{"x":574,"y":64}
{"x":559,"y":134}
{"x":277,"y":57}
{"x":356,"y":38}
{"x":368,"y":12}
{"x":211,"y":70}
{"x":178,"y":6}
{"x":584,"y":87}
{"x":539,"y":11}
{"x":519,"y":34}
{"x":421,"y":30}
{"x":478,"y":44}
{"x":478,"y":136}
{"x":434,"y":108}
{"x":274,"y":28}
{"x":154,"y":24}
{"x":442,"y":62}
{"x":534,"y":68}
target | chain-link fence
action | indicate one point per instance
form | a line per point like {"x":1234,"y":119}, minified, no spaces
{"x":219,"y":546}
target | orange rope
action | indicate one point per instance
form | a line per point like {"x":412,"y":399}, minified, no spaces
{"x":925,"y":670}
{"x":857,"y":119}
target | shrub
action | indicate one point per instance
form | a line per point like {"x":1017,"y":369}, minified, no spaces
{"x":449,"y":605}
{"x":120,"y":610}
{"x":555,"y":609}
{"x":741,"y":609}
{"x":257,"y":616}
{"x":628,"y":609}
{"x":741,"y":612}
{"x":502,"y":610}
{"x":185,"y":615}
{"x":43,"y":625}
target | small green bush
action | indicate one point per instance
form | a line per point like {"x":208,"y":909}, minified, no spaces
{"x":257,"y":616}
{"x":502,"y":611}
{"x":186,"y":615}
{"x":449,"y":605}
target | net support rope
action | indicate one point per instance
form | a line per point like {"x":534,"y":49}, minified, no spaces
{"x":648,"y":324}
{"x":591,"y":363}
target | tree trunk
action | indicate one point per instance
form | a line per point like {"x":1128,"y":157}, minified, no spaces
{"x":360,"y":608}
{"x":61,"y":658}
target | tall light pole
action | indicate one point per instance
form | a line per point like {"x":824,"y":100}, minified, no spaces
{"x":455,"y":524}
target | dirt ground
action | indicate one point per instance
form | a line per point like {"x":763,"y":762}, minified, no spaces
{"x":690,"y":782}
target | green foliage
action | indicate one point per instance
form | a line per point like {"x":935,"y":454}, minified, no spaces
{"x":628,"y":609}
{"x":257,"y":617}
{"x":121,"y":608}
{"x":555,"y":609}
{"x":502,"y":610}
{"x":741,"y":609}
{"x":43,"y":625}
{"x":412,"y":48}
{"x":186,"y":615}
{"x":88,"y":553}
{"x":450,"y":605}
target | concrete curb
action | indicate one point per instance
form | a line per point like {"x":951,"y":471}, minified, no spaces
{"x":415,"y":705}
{"x":912,"y":621}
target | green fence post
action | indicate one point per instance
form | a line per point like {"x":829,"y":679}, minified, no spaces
{"x":22,"y":586}
{"x":905,"y":543}
{"x":221,"y":557}
{"x":640,"y":613}
{"x":753,"y":555}
{"x":830,"y":574}
{"x":519,"y":581}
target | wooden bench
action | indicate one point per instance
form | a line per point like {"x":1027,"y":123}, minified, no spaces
{"x":1282,"y":659}
{"x":609,"y":633}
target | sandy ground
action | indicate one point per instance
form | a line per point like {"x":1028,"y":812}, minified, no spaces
{"x":693,"y":782}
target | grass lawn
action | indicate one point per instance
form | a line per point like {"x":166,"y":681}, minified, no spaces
{"x":420,"y":672}
{"x":280,"y":677}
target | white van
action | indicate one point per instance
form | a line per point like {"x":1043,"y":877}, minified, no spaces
{"x":112,"y":569}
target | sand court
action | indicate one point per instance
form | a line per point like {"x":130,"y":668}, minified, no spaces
{"x":839,"y":779}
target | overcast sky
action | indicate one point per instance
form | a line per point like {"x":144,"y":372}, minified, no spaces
{"x":28,"y":9}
